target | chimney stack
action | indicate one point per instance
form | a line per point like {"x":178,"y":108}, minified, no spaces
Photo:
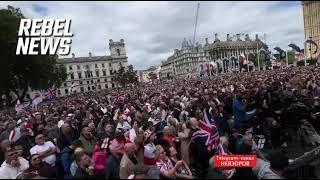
{"x":207,"y":41}
{"x":90,"y":54}
{"x":73,"y":55}
{"x":228,"y":37}
{"x":121,"y":40}
{"x":110,"y":41}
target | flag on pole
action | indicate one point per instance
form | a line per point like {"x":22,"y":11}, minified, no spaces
{"x":19,"y":107}
{"x":50,"y":93}
{"x":37,"y":101}
{"x":207,"y":133}
{"x":295,"y":47}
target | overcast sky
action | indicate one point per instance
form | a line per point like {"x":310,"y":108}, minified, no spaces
{"x":152,"y":30}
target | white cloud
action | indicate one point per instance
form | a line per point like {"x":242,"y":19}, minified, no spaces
{"x":152,"y":30}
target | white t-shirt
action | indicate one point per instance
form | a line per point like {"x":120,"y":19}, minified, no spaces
{"x":9,"y":172}
{"x":60,"y":123}
{"x":42,"y":148}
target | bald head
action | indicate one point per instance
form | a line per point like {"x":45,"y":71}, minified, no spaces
{"x":194,"y":122}
{"x":130,"y":149}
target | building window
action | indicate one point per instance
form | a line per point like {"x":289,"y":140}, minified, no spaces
{"x":78,"y":67}
{"x":92,"y":87}
{"x":111,"y":72}
{"x":120,"y":64}
{"x":80,"y":75}
{"x":80,"y":83}
{"x":70,"y":67}
{"x":87,"y":82}
{"x":99,"y":86}
{"x":102,"y":65}
{"x":105,"y":80}
{"x":97,"y":73}
{"x":81,"y":89}
{"x":104,"y":73}
{"x":91,"y":81}
{"x":118,"y":52}
{"x":65,"y":84}
{"x":96,"y":65}
{"x":66,"y":91}
{"x":88,"y":88}
{"x":71,"y":76}
{"x":59,"y":92}
{"x":106,"y":86}
{"x":98,"y":80}
{"x":113,"y":85}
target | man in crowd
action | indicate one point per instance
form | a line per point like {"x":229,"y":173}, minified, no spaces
{"x":13,"y":165}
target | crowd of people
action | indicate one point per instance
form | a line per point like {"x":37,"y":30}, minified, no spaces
{"x":146,"y":131}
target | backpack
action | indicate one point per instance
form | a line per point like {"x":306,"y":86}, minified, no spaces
{"x":99,"y":158}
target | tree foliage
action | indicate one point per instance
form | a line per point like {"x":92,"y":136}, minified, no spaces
{"x":18,"y":73}
{"x":125,"y":77}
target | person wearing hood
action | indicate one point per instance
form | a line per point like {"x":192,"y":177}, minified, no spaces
{"x":13,"y":165}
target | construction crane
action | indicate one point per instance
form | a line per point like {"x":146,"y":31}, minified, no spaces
{"x":196,"y":24}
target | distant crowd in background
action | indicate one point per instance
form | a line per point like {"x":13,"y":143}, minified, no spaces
{"x":150,"y":130}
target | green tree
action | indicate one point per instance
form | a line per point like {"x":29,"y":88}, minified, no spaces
{"x":291,"y":56}
{"x":125,"y":77}
{"x":19,"y":72}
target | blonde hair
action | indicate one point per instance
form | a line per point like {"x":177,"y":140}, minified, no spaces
{"x":158,"y":149}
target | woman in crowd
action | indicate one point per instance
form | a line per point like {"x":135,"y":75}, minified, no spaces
{"x":164,"y":164}
{"x":184,"y":171}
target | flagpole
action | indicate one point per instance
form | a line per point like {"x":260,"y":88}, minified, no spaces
{"x":258,"y":57}
{"x":287,"y":58}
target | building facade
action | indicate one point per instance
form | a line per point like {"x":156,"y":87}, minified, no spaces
{"x":227,"y":54}
{"x":311,"y":19}
{"x":144,"y":75}
{"x":184,"y":62}
{"x":93,"y":73}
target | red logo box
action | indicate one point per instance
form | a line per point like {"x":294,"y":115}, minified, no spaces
{"x":235,"y":161}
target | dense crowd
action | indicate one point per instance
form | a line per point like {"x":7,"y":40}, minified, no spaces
{"x":146,"y":131}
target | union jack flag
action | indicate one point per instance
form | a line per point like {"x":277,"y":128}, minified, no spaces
{"x":50,"y":93}
{"x":208,"y":133}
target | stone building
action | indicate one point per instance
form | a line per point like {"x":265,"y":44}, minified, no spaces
{"x":227,"y":54}
{"x":144,"y":75}
{"x":184,"y":62}
{"x":311,"y":19}
{"x":93,"y":72}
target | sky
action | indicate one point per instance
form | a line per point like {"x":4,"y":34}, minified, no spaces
{"x":152,"y":30}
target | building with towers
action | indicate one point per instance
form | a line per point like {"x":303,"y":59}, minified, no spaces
{"x":92,"y":73}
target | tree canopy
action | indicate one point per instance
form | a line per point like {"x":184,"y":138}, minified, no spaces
{"x":125,"y":77}
{"x":18,"y":73}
